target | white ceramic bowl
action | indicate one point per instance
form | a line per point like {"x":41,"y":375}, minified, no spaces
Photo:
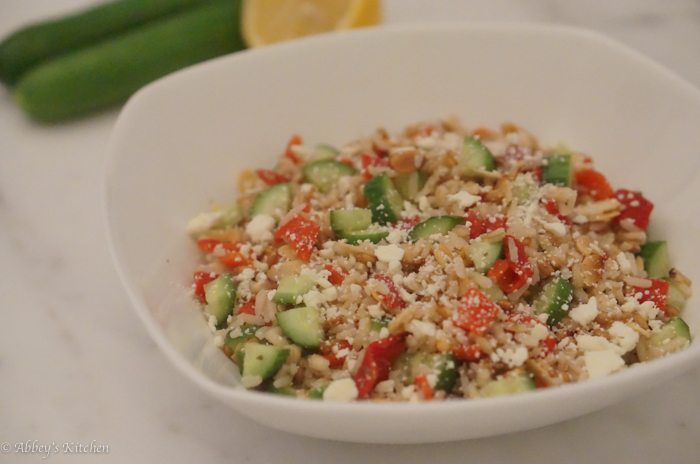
{"x":180,"y":142}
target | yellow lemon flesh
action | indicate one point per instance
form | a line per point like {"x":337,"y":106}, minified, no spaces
{"x":268,"y":21}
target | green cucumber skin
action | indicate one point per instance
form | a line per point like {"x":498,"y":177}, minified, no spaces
{"x":350,"y":219}
{"x":302,"y":325}
{"x":655,"y":256}
{"x":435,"y":225}
{"x":324,"y":173}
{"x":484,"y":254}
{"x":557,"y":170}
{"x":384,"y":200}
{"x":36,"y":43}
{"x":356,"y":236}
{"x":108,"y":73}
{"x":508,"y":386}
{"x":551,"y":299}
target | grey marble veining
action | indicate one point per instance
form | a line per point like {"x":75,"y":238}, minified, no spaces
{"x":76,"y":365}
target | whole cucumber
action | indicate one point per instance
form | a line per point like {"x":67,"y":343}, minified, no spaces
{"x":35,"y":43}
{"x":109,"y":72}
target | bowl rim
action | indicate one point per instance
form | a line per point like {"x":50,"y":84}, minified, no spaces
{"x":674,"y":364}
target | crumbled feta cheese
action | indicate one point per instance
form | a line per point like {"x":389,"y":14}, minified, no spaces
{"x":602,"y":362}
{"x":585,"y":313}
{"x":313,"y":298}
{"x":587,"y":343}
{"x":422,"y":328}
{"x":375,"y":310}
{"x":395,"y":236}
{"x":538,"y":333}
{"x":464,"y":199}
{"x":330,"y":294}
{"x":388,"y":253}
{"x":202,"y":222}
{"x":512,"y":357}
{"x":623,"y":336}
{"x":627,"y":265}
{"x":259,"y":228}
{"x":341,"y":390}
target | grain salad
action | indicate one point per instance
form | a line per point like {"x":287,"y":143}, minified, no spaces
{"x":435,"y":263}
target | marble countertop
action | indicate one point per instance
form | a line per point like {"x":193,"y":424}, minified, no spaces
{"x":77,"y":367}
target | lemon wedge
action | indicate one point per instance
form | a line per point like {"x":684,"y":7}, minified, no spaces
{"x":269,"y":21}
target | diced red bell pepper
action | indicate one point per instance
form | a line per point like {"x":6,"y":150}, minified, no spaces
{"x":376,"y":363}
{"x":379,"y":151}
{"x":334,"y":353}
{"x":392,"y":301}
{"x":233,"y":256}
{"x":301,"y":234}
{"x":475,"y":312}
{"x":594,"y":184}
{"x":553,"y":209}
{"x":423,"y":386}
{"x":513,"y":272}
{"x":656,"y":292}
{"x":337,"y":275}
{"x":207,"y":245}
{"x":479,"y":225}
{"x":289,"y":153}
{"x":469,"y":353}
{"x":548,"y":345}
{"x":271,"y":177}
{"x":634,"y":207}
{"x":369,"y":160}
{"x":200,"y":280}
{"x":247,"y":308}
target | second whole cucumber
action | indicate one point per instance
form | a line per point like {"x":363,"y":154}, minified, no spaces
{"x":109,"y":72}
{"x":39,"y":42}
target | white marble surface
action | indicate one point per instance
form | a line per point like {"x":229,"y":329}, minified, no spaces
{"x":76,"y":365}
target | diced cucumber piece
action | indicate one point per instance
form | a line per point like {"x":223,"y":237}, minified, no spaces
{"x":410,"y":183}
{"x":655,"y":256}
{"x":291,"y":288}
{"x":316,"y":393}
{"x":509,"y":385}
{"x":447,"y":372}
{"x":494,"y":292}
{"x":353,"y":224}
{"x":350,"y":219}
{"x":355,"y":237}
{"x":262,"y":360}
{"x":484,"y":253}
{"x":284,"y":391}
{"x":672,"y":337}
{"x":230,"y":217}
{"x":377,"y":325}
{"x":421,"y":363}
{"x":435,"y":225}
{"x":557,"y":170}
{"x":247,"y":335}
{"x":475,"y":158}
{"x":675,"y":296}
{"x":551,"y":300}
{"x":220,"y":295}
{"x":303,"y":326}
{"x":324,"y":151}
{"x":384,"y":200}
{"x":324,"y":174}
{"x":274,"y":201}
